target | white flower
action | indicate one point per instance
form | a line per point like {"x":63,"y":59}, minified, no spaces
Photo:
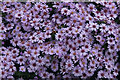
{"x":65,"y":11}
{"x":22,"y":68}
{"x":51,"y":51}
{"x":2,"y":36}
{"x":3,"y":29}
{"x":69,"y":65}
{"x":111,"y":40}
{"x":94,"y":26}
{"x":104,"y":27}
{"x":58,"y":36}
{"x":33,"y":39}
{"x":101,"y":74}
{"x":76,"y":71}
{"x":19,"y":14}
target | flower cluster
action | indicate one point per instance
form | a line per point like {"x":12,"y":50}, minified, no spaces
{"x":53,"y":40}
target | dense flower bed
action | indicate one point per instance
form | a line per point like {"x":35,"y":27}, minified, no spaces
{"x":60,"y":40}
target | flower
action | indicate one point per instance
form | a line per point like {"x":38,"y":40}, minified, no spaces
{"x":111,"y":40}
{"x":4,"y":74}
{"x":76,"y":71}
{"x":65,"y":11}
{"x":101,"y":74}
{"x":91,"y":7}
{"x":103,"y":27}
{"x":22,"y":68}
{"x":109,"y":66}
{"x":2,"y":28}
{"x":19,"y":14}
{"x":20,"y":60}
{"x":33,"y":38}
{"x":94,"y":26}
{"x":54,"y":67}
{"x":59,"y":40}
{"x":51,"y":76}
{"x":40,"y":61}
{"x":44,"y":75}
{"x":2,"y":36}
{"x":34,"y":65}
{"x":69,"y":65}
{"x":24,"y":19}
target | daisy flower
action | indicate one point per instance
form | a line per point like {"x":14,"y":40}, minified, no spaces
{"x":19,"y":14}
{"x":90,"y":73}
{"x":40,"y":61}
{"x":33,"y":38}
{"x":103,"y":27}
{"x":87,"y":47}
{"x":65,"y":11}
{"x":54,"y":67}
{"x":22,"y":69}
{"x":83,"y":51}
{"x":112,"y":16}
{"x":10,"y":78}
{"x":58,"y":36}
{"x":94,"y":26}
{"x":69,"y":65}
{"x":117,"y":47}
{"x":44,"y":75}
{"x":20,"y":60}
{"x":51,"y":51}
{"x":111,"y":47}
{"x":34,"y":65}
{"x":5,"y":9}
{"x":3,"y":74}
{"x":111,"y":40}
{"x":101,"y":74}
{"x":24,"y":19}
{"x":35,"y":53}
{"x":3,"y":28}
{"x":51,"y":76}
{"x":91,"y":7}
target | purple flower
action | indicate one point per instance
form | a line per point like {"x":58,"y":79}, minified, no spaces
{"x":66,"y":40}
{"x":22,"y":68}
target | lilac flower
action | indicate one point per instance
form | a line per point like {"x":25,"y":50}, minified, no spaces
{"x":65,"y":11}
{"x":77,"y":71}
{"x":51,"y":76}
{"x":91,"y":7}
{"x":24,"y":19}
{"x":111,"y":40}
{"x":40,"y":61}
{"x":60,"y":40}
{"x":54,"y":67}
{"x":2,"y":36}
{"x":104,"y":27}
{"x":5,"y":9}
{"x":101,"y":74}
{"x":18,"y":5}
{"x":44,"y":75}
{"x":2,"y":28}
{"x":22,"y":68}
{"x":20,"y":60}
{"x":94,"y":26}
{"x":69,"y":65}
{"x":27,"y":5}
{"x":4,"y":74}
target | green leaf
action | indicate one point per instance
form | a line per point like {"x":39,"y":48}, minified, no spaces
{"x":24,"y":75}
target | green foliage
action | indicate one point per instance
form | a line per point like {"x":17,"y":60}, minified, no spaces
{"x":24,"y":75}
